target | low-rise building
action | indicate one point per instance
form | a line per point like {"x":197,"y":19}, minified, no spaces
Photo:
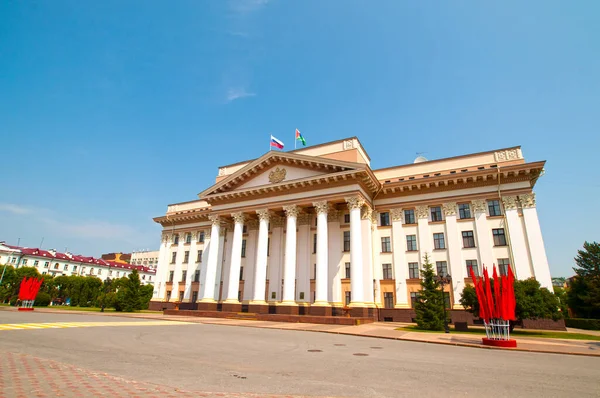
{"x":146,"y":258}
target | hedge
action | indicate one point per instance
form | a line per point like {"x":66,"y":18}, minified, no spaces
{"x":582,"y":323}
{"x":42,"y":299}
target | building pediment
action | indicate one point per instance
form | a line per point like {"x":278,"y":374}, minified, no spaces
{"x":281,"y":170}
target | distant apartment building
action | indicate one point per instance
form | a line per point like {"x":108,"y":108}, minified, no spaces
{"x":145,"y":257}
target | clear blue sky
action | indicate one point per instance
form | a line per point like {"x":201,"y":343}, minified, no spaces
{"x":110,"y":110}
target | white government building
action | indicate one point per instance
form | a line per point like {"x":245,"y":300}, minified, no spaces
{"x":315,"y":229}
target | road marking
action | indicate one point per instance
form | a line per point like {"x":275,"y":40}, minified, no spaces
{"x":63,"y":325}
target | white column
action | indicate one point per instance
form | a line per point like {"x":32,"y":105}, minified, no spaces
{"x":275,"y":259}
{"x":289,"y":268}
{"x":541,"y":270}
{"x":162,"y":270}
{"x":224,"y":247}
{"x":336,"y":267}
{"x":260,"y":276}
{"x":213,"y":257}
{"x":355,"y":204}
{"x":187,"y":293}
{"x":483,"y":233}
{"x":518,"y":244}
{"x":236,"y":259}
{"x":424,"y":236}
{"x":399,"y":257}
{"x":367,"y":251}
{"x":322,"y":254}
{"x":376,"y":266}
{"x":458,"y":268}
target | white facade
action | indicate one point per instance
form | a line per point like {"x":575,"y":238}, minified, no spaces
{"x":319,"y":227}
{"x":146,"y":258}
{"x":54,"y":263}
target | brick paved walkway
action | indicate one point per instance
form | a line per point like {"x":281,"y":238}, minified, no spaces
{"x":25,"y":376}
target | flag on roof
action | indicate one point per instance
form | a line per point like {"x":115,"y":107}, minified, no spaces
{"x":276,"y":143}
{"x":300,"y":138}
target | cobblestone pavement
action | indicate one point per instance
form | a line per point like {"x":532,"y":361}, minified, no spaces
{"x":25,"y":376}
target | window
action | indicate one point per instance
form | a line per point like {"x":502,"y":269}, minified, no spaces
{"x":197,"y":276}
{"x":99,"y":271}
{"x":149,"y":277}
{"x":183,"y":275}
{"x":464,"y":211}
{"x":14,"y":260}
{"x":186,"y":257}
{"x":173,"y":257}
{"x":438,"y":241}
{"x":347,"y":265}
{"x":386,"y":246}
{"x":346,"y":218}
{"x":66,"y":267}
{"x":199,"y":256}
{"x":245,"y":229}
{"x":268,"y":246}
{"x":91,"y":271}
{"x":144,"y":277}
{"x":201,"y":239}
{"x":411,"y":243}
{"x":243,"y":247}
{"x":56,"y":266}
{"x":314,"y":243}
{"x":409,"y":216}
{"x":503,"y":264}
{"x":346,"y":241}
{"x":436,"y":213}
{"x":499,"y":237}
{"x":194,"y":297}
{"x":472,"y":264}
{"x":388,"y":300}
{"x":24,"y":262}
{"x":413,"y":270}
{"x":75,"y":269}
{"x":35,"y":263}
{"x":180,"y":296}
{"x":241,"y":273}
{"x":387,"y":271}
{"x":46,"y":264}
{"x":384,"y":219}
{"x":168,"y":295}
{"x":413,"y":299}
{"x":176,"y":240}
{"x":442,"y":268}
{"x":171,"y":274}
{"x":494,"y":208}
{"x":348,"y":297}
{"x":468,"y":239}
{"x":188,"y":238}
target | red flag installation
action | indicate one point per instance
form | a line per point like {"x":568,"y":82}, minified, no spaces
{"x":28,"y":291}
{"x":497,"y":306}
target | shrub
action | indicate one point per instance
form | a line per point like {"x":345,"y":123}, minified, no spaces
{"x":582,"y":323}
{"x":42,"y":299}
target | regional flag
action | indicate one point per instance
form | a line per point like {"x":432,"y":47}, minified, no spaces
{"x":300,"y":138}
{"x":276,"y":143}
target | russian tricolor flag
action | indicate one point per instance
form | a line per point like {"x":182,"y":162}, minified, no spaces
{"x":276,"y":143}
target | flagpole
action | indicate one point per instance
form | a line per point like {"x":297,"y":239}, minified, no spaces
{"x":294,"y":140}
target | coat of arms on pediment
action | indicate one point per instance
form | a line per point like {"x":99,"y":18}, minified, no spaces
{"x":277,"y":175}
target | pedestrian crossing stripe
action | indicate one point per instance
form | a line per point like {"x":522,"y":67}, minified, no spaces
{"x":64,"y":325}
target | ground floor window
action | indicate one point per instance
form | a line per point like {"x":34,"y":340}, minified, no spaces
{"x":348,"y":297}
{"x":413,"y":299}
{"x":168,"y":295}
{"x":388,"y":300}
{"x":180,"y":296}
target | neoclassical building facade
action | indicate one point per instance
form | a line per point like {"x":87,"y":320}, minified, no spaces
{"x":314,"y":230}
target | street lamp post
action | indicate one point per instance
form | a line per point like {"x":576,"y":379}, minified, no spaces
{"x":444,"y":280}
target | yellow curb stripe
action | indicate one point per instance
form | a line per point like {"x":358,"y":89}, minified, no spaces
{"x":63,"y":325}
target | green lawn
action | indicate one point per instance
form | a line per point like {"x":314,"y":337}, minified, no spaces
{"x":522,"y":333}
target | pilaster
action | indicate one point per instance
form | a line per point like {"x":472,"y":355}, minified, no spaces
{"x":541,"y":270}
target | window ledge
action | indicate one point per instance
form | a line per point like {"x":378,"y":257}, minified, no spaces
{"x":465,"y":219}
{"x":385,"y":252}
{"x":440,"y":250}
{"x":412,"y":251}
{"x":494,"y":217}
{"x":469,"y":247}
{"x":437,"y":222}
{"x":385,"y":226}
{"x":505,"y":245}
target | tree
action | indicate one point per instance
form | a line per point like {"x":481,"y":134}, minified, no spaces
{"x":129,"y":296}
{"x":583,"y":295}
{"x":532,"y":301}
{"x":11,"y":282}
{"x":430,"y":303}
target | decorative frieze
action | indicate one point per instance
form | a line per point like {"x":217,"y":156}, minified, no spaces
{"x":366,"y":213}
{"x":397,"y":215}
{"x":239,"y":217}
{"x":207,"y":234}
{"x":348,"y":144}
{"x":508,"y":154}
{"x":277,"y":222}
{"x":510,"y":202}
{"x":277,"y":175}
{"x":223,"y":232}
{"x":527,"y":200}
{"x":291,"y":210}
{"x":333,"y":215}
{"x":321,"y":207}
{"x":252,"y":224}
{"x":166,"y":238}
{"x":355,"y":202}
{"x":422,"y":211}
{"x":479,"y":205}
{"x":449,"y":208}
{"x":264,"y":215}
{"x":303,"y":219}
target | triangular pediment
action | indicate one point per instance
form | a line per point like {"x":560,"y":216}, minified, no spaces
{"x":280,"y":168}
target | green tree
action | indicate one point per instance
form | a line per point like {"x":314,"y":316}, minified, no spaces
{"x":583,"y":295}
{"x":430,"y":304}
{"x":129,"y":294}
{"x":9,"y":290}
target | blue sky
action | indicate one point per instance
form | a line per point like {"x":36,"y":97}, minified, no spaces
{"x":111,"y":110}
